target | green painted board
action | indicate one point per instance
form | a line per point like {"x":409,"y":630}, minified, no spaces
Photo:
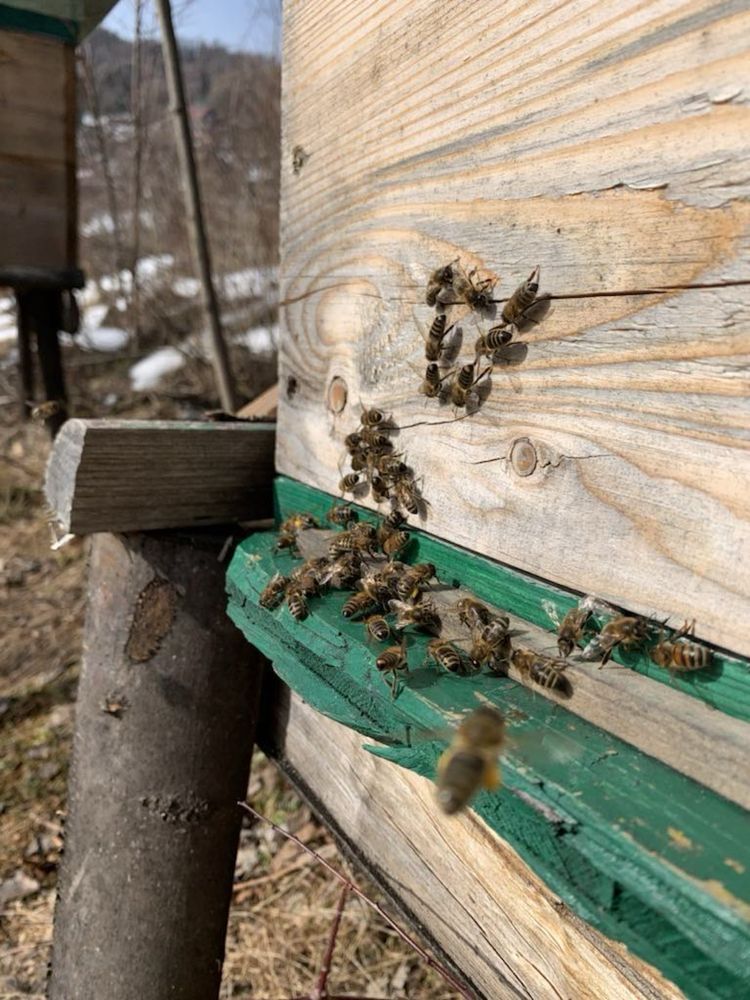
{"x":648,"y":856}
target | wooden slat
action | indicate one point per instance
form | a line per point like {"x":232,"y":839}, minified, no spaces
{"x":132,"y":475}
{"x":37,"y":152}
{"x":502,"y":927}
{"x":608,"y":143}
{"x":264,"y":405}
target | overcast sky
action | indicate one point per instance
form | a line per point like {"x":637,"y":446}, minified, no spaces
{"x":248,"y":25}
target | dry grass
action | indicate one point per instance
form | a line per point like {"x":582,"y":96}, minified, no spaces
{"x":283,"y":901}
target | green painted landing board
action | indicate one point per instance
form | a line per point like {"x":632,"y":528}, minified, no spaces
{"x":646,"y":855}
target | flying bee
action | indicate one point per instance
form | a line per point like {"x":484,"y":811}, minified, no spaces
{"x":437,"y":333}
{"x":446,"y":656}
{"x":349,"y":482}
{"x":521,"y":300}
{"x":44,"y":411}
{"x":432,"y":383}
{"x":473,"y":613}
{"x":571,"y":627}
{"x":681,"y":654}
{"x":495,"y":338}
{"x":359,"y":602}
{"x":477,"y":294}
{"x":464,"y":382}
{"x":413,"y":579}
{"x":423,"y":615}
{"x":395,"y":543}
{"x":377,"y":628}
{"x":342,"y":514}
{"x":438,"y":280}
{"x":273,"y":593}
{"x":471,"y":761}
{"x":624,"y":630}
{"x":371,"y":417}
{"x":343,"y":571}
{"x":296,"y":601}
{"x":491,"y":646}
{"x":545,"y":671}
{"x":392,"y":661}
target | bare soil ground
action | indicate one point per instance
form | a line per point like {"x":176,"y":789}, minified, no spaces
{"x":283,"y":900}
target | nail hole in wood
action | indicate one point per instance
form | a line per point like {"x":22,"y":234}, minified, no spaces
{"x":291,"y":386}
{"x":523,"y":457}
{"x":337,"y":393}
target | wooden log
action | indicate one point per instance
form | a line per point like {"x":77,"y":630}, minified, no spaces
{"x":126,"y":475}
{"x":460,"y":883}
{"x":610,"y":146}
{"x":164,"y":732}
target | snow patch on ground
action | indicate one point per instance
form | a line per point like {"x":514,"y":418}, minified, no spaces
{"x":186,"y":288}
{"x":103,"y":338}
{"x":259,"y":339}
{"x":7,"y":317}
{"x":146,"y":373}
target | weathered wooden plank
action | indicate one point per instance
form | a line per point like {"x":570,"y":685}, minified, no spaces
{"x":37,"y":151}
{"x":137,"y":475}
{"x":264,"y":405}
{"x":502,"y":927}
{"x":648,"y":856}
{"x":607,"y":143}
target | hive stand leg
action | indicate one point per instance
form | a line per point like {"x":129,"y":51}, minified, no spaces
{"x":165,"y":724}
{"x":25,"y":356}
{"x":43,"y":311}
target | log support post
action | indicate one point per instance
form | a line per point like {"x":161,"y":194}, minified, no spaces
{"x":164,"y":733}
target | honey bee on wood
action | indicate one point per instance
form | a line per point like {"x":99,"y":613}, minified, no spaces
{"x":491,"y":646}
{"x":44,"y":411}
{"x":432,"y":383}
{"x":471,"y":761}
{"x":393,"y":661}
{"x":358,"y":604}
{"x":378,"y":585}
{"x":433,"y":347}
{"x":273,"y":593}
{"x":473,"y":613}
{"x":571,"y":627}
{"x":389,"y":525}
{"x":423,"y":615}
{"x":463,"y":384}
{"x":377,"y":628}
{"x":544,"y":671}
{"x":343,"y":571}
{"x":358,"y":538}
{"x":352,"y":442}
{"x":521,"y":300}
{"x":307,"y":577}
{"x":374,"y":441}
{"x":413,"y":579}
{"x":440,"y":279}
{"x":286,"y":540}
{"x":381,"y":491}
{"x":371,"y":417}
{"x":407,"y":494}
{"x":446,"y":656}
{"x":342,"y":515}
{"x":475,"y":293}
{"x":495,"y":338}
{"x":395,"y":543}
{"x":624,"y":630}
{"x":349,"y":482}
{"x":296,"y":601}
{"x":680,"y":654}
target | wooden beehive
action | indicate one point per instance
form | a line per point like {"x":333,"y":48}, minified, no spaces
{"x":609,"y":145}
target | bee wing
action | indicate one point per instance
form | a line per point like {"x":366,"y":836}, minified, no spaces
{"x":537,"y":311}
{"x":551,"y":612}
{"x":597,"y":607}
{"x":592,"y":650}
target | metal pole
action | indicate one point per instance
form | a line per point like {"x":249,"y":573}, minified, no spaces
{"x":176,"y":87}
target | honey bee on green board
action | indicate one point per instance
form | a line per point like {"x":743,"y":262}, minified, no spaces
{"x":679,"y":653}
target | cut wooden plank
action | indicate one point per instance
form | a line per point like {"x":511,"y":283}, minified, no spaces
{"x":608,"y":143}
{"x":37,"y":152}
{"x":133,"y":475}
{"x":264,"y":405}
{"x":502,"y":927}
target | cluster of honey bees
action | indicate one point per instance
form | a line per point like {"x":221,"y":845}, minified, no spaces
{"x":376,"y":468}
{"x":451,"y":285}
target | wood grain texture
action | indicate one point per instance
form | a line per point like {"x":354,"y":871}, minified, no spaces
{"x":37,"y":152}
{"x":137,"y":475}
{"x":607,"y":143}
{"x":502,"y":927}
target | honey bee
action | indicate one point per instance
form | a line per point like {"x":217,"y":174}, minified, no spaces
{"x":375,"y":441}
{"x":343,"y":571}
{"x":273,"y":593}
{"x":491,"y":645}
{"x":544,"y":671}
{"x":381,"y":491}
{"x":464,"y":382}
{"x":406,"y":493}
{"x":433,"y":347}
{"x":682,"y":656}
{"x":371,"y":418}
{"x":379,"y":586}
{"x":471,"y":761}
{"x":476,"y":294}
{"x":296,"y":601}
{"x":413,"y":579}
{"x":624,"y":630}
{"x":446,"y":656}
{"x":389,"y":525}
{"x":495,"y":338}
{"x":342,"y":514}
{"x":395,"y":543}
{"x":433,"y":381}
{"x":352,"y":442}
{"x":521,"y":300}
{"x":571,"y":627}
{"x":438,"y":280}
{"x":392,"y":661}
{"x":286,"y":540}
{"x":298,"y":522}
{"x":360,"y":602}
{"x":473,"y":613}
{"x":358,"y":538}
{"x":45,"y":411}
{"x":349,"y":482}
{"x":377,"y":628}
{"x":423,"y":615}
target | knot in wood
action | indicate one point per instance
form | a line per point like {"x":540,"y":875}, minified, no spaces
{"x":523,"y":457}
{"x":337,"y":394}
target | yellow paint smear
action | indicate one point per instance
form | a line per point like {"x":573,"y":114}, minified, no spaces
{"x":736,"y":865}
{"x":679,"y":839}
